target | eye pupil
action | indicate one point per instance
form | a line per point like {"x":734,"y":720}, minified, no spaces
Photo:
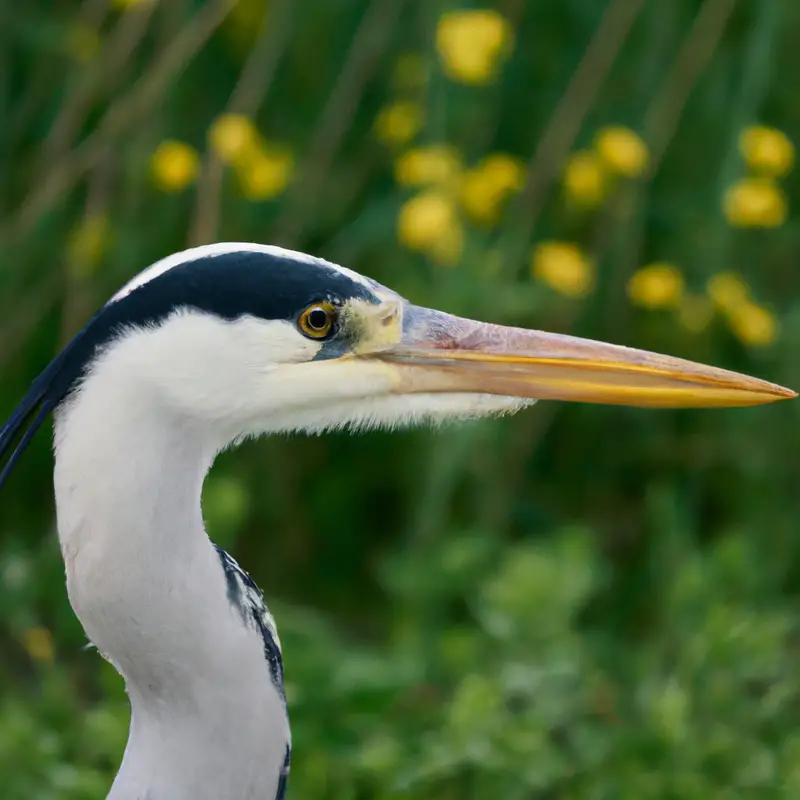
{"x":317,"y":319}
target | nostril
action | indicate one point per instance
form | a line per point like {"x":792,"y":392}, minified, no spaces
{"x":390,"y":316}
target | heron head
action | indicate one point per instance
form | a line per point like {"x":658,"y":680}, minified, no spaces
{"x":242,"y":339}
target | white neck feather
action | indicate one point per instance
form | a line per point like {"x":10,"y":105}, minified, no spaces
{"x":150,"y":591}
{"x":133,"y":446}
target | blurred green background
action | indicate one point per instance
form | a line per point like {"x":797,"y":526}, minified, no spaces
{"x":579,"y":602}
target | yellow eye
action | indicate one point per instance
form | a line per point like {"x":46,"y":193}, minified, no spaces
{"x":317,"y":321}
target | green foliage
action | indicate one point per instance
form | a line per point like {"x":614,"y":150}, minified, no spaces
{"x":575,"y":603}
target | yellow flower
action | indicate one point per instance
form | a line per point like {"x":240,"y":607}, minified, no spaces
{"x":656,"y":286}
{"x":753,"y":325}
{"x":423,"y":217}
{"x":429,"y":223}
{"x":479,"y":197}
{"x":483,"y":189}
{"x":39,"y":644}
{"x":695,"y":313}
{"x":755,"y":203}
{"x":585,"y":179}
{"x":563,"y":267}
{"x":623,"y":150}
{"x":410,"y":71}
{"x":504,"y":171}
{"x":436,"y":164}
{"x":174,"y":165}
{"x":265,"y":174}
{"x":728,"y":290}
{"x":233,"y":137}
{"x":86,"y":245}
{"x":767,"y":150}
{"x":399,"y":122}
{"x":471,"y":44}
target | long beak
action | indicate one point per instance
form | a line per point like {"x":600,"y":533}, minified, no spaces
{"x":438,"y":352}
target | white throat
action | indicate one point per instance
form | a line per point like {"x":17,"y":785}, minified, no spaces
{"x":149,"y":588}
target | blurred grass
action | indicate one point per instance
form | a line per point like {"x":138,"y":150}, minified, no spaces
{"x":578,"y":602}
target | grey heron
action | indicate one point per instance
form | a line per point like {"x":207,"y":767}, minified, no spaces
{"x":227,"y":341}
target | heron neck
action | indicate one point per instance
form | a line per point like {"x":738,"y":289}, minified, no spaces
{"x":128,"y":482}
{"x":149,"y":589}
